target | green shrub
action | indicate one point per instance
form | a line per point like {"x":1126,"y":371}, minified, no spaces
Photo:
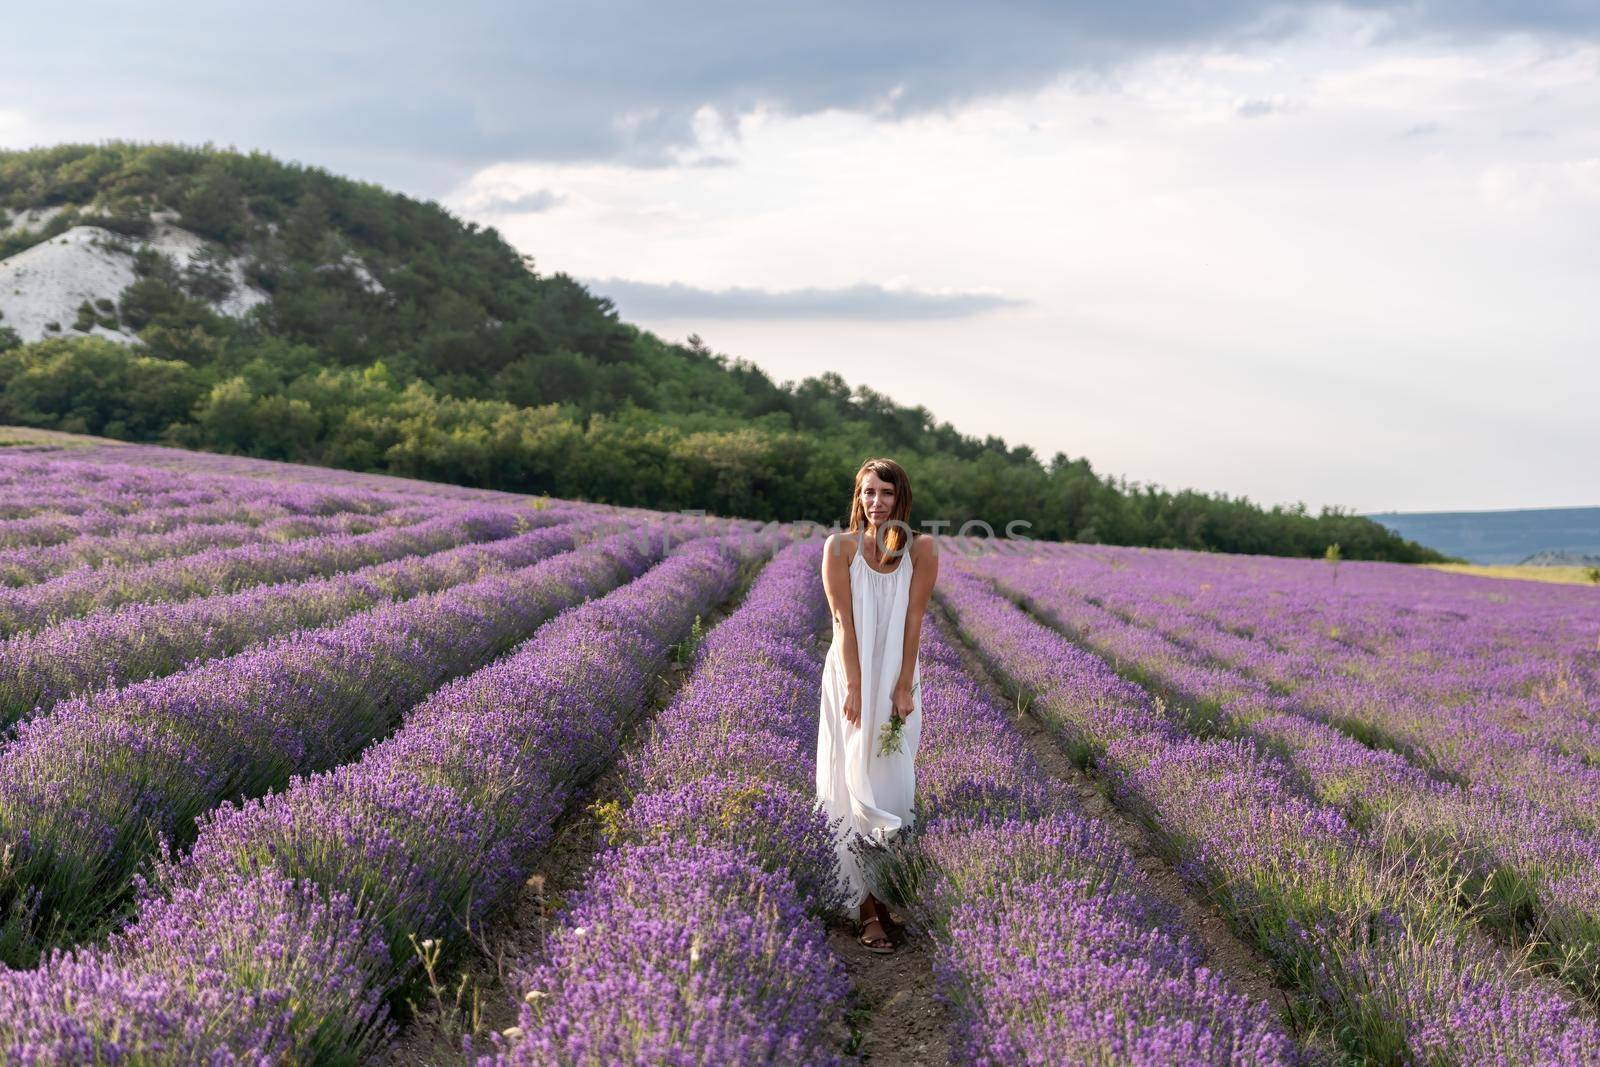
{"x":208,"y":277}
{"x":89,"y":385}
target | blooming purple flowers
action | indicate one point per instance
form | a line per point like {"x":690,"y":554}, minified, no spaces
{"x":696,"y":941}
{"x":81,"y":591}
{"x":1534,"y":870}
{"x":265,"y":730}
{"x":1051,"y":945}
{"x":85,"y":791}
{"x":147,"y":640}
{"x":286,"y":927}
{"x":1395,"y":973}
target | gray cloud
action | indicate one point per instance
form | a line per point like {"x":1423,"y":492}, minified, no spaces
{"x":647,"y":300}
{"x":531,"y":202}
{"x":1252,"y":109}
{"x":418,"y":94}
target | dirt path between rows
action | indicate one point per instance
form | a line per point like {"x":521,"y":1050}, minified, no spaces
{"x":899,"y":1021}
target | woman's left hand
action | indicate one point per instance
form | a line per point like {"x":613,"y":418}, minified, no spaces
{"x":901,"y":703}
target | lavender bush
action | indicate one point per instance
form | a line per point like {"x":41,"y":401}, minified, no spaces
{"x":148,"y":640}
{"x":1050,"y":945}
{"x":1531,"y":874}
{"x":1391,"y":973}
{"x":80,"y":592}
{"x":290,"y":922}
{"x":87,"y":792}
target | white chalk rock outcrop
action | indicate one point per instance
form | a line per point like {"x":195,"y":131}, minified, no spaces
{"x":47,"y":283}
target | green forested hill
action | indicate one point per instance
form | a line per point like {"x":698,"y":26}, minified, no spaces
{"x":402,"y":339}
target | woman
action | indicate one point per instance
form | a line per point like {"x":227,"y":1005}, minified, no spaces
{"x":878,"y":576}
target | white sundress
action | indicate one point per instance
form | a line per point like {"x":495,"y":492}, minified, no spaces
{"x":872,"y":794}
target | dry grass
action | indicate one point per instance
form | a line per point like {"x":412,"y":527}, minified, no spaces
{"x":1564,"y":575}
{"x":13,"y":436}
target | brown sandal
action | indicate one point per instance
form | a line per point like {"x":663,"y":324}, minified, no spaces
{"x":880,"y":944}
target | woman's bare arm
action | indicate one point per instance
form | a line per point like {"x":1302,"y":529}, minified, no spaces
{"x":925,"y":558}
{"x":836,"y":583}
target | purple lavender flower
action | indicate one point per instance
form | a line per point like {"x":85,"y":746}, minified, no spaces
{"x":82,"y":790}
{"x":1296,"y":876}
{"x":682,"y":954}
{"x":703,"y":909}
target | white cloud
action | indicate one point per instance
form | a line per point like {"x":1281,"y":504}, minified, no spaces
{"x":1583,"y":175}
{"x":513,"y":201}
{"x":15,"y":127}
{"x":1313,"y":306}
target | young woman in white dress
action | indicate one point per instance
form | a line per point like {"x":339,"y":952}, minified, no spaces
{"x":879,"y":576}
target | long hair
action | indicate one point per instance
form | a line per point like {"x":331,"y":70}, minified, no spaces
{"x":896,"y":529}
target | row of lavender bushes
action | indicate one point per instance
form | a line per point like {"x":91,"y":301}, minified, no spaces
{"x":123,"y":479}
{"x":88,"y":792}
{"x":233,"y":468}
{"x":1390,"y":973}
{"x":29,"y":566}
{"x":1497,"y":693}
{"x":59,"y":509}
{"x":46,"y":501}
{"x":695,"y":940}
{"x":55,"y":530}
{"x":45,"y":493}
{"x":140,"y":641}
{"x":1452,"y":675}
{"x":32,"y":484}
{"x":87,"y":590}
{"x":1050,"y":944}
{"x":1530,"y":875}
{"x":294,"y":922}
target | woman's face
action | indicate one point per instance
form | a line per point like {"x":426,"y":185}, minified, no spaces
{"x":877,"y":498}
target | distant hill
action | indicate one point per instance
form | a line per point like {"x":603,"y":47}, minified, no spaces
{"x":1501,"y":536}
{"x":236,"y":303}
{"x":1560,"y":558}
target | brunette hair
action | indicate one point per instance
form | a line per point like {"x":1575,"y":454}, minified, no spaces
{"x":895,"y":531}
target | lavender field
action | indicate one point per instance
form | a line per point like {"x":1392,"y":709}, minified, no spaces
{"x":304,"y":766}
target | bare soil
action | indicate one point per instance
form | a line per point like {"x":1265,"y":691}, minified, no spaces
{"x":899,"y":1020}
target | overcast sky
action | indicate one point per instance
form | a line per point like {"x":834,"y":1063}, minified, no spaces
{"x":1344,"y":255}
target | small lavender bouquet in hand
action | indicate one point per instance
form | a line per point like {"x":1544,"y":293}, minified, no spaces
{"x":892,"y":733}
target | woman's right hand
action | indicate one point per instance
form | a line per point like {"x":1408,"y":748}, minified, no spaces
{"x":852,"y":705}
